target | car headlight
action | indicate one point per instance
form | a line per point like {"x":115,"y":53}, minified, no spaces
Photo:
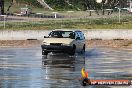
{"x":45,"y":43}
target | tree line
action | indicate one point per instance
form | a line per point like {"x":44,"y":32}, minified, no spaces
{"x":76,"y":4}
{"x":86,"y":4}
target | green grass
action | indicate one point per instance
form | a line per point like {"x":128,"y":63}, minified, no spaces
{"x":78,"y":23}
{"x":100,"y":23}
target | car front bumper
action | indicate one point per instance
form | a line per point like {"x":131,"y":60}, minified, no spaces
{"x":58,"y":49}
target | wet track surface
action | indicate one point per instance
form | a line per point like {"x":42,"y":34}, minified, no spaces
{"x":27,"y":68}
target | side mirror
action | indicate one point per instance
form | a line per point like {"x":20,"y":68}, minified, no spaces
{"x":78,"y":38}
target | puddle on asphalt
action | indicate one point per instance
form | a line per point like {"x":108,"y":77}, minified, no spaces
{"x":26,"y":67}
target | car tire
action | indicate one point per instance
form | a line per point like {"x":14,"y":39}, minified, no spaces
{"x":72,"y":53}
{"x":83,"y":50}
{"x":84,"y":47}
{"x":44,"y":52}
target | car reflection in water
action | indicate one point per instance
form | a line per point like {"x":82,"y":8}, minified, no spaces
{"x":62,"y":70}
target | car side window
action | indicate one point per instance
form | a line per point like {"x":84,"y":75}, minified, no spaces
{"x":72,"y":35}
{"x":82,"y":35}
{"x":77,"y":36}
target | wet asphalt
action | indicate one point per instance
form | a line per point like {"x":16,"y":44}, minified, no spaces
{"x":27,"y":68}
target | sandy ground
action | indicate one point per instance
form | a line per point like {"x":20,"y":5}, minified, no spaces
{"x":89,"y":43}
{"x":109,"y":43}
{"x":19,"y":43}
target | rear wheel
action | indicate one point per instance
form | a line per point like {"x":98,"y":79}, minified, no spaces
{"x":83,"y":49}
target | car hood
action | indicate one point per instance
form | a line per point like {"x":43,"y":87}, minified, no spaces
{"x":58,"y":40}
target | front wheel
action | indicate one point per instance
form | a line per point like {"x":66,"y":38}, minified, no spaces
{"x":73,"y":51}
{"x":44,"y":52}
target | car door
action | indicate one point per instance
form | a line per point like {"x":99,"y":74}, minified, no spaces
{"x":81,"y":41}
{"x":78,"y":40}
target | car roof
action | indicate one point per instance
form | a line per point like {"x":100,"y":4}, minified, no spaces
{"x":73,"y":30}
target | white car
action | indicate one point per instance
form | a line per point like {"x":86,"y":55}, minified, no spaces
{"x":63,"y":41}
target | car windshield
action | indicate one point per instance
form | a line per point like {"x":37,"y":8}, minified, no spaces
{"x":62,"y":34}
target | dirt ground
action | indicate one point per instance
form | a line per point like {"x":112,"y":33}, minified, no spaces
{"x":89,"y":43}
{"x":109,"y":43}
{"x":19,"y":43}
